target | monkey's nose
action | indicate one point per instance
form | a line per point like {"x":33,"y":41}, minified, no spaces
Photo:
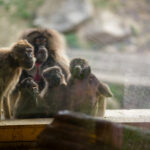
{"x":41,"y":47}
{"x":76,"y":71}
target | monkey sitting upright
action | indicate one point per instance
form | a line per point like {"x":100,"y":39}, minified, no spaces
{"x":29,"y":104}
{"x":12,"y":61}
{"x":55,"y":89}
{"x":85,"y":92}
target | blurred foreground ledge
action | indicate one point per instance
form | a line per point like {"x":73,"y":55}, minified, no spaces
{"x":76,"y":131}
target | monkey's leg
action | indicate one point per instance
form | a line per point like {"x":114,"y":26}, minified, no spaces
{"x":1,"y":100}
{"x":13,"y":98}
{"x":101,"y":107}
{"x":0,"y":107}
{"x":6,"y":107}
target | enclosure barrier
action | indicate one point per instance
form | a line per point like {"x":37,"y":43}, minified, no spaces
{"x":78,"y":132}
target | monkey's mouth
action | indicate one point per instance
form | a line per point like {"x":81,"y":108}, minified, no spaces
{"x":81,"y":73}
{"x":40,"y":61}
{"x":35,"y":90}
{"x":55,"y":82}
{"x":28,"y":65}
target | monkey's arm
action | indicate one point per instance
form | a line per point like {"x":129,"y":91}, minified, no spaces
{"x":101,"y":106}
{"x":104,"y":90}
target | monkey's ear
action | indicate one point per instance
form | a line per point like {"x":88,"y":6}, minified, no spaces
{"x":45,"y":74}
{"x":12,"y":55}
{"x":104,"y":90}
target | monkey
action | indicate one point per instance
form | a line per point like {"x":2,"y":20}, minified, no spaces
{"x":86,"y":93}
{"x":41,"y":57}
{"x":55,"y":89}
{"x":12,"y":61}
{"x":29,"y":104}
{"x":53,"y":42}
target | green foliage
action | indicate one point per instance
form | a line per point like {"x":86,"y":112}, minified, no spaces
{"x":72,"y":40}
{"x":134,"y":30}
{"x":1,"y":2}
{"x":106,"y":3}
{"x":23,"y":9}
{"x":118,"y":91}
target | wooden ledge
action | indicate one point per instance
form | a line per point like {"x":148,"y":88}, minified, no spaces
{"x":130,"y":115}
{"x":27,"y":130}
{"x":120,"y":116}
{"x":26,"y":122}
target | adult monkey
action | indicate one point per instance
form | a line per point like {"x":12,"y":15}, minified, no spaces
{"x":12,"y":61}
{"x":54,"y":43}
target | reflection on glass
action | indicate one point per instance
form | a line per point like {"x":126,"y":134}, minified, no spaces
{"x":90,"y":55}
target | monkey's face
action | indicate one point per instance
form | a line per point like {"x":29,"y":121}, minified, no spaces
{"x":41,"y":55}
{"x":29,"y":86}
{"x":53,"y":76}
{"x":23,"y":55}
{"x":40,"y":42}
{"x":79,"y":68}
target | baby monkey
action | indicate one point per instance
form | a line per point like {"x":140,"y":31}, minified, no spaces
{"x":29,"y":104}
{"x":85,"y":92}
{"x":55,"y":89}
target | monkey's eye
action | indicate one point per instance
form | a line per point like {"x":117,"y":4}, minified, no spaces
{"x":43,"y":41}
{"x":37,"y":41}
{"x":40,"y":52}
{"x":29,"y":49}
{"x":29,"y":53}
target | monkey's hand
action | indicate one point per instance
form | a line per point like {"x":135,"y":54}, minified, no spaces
{"x":81,"y":72}
{"x":104,"y":90}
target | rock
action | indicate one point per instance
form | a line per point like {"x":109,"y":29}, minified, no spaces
{"x":105,"y":28}
{"x":64,"y":15}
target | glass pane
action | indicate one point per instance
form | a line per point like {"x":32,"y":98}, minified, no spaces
{"x":90,"y":55}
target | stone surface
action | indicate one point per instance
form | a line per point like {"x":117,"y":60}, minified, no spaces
{"x":64,"y":15}
{"x":105,"y":28}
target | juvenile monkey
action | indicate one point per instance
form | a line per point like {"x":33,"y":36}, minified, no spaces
{"x":12,"y":61}
{"x":29,"y":104}
{"x":55,"y":89}
{"x":85,"y":92}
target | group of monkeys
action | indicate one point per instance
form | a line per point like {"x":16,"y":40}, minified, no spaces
{"x":37,"y":80}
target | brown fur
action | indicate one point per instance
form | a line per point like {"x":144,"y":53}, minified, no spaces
{"x":29,"y":104}
{"x":41,"y":57}
{"x":55,"y":46}
{"x":85,"y":92}
{"x":11,"y":64}
{"x":54,"y":93}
